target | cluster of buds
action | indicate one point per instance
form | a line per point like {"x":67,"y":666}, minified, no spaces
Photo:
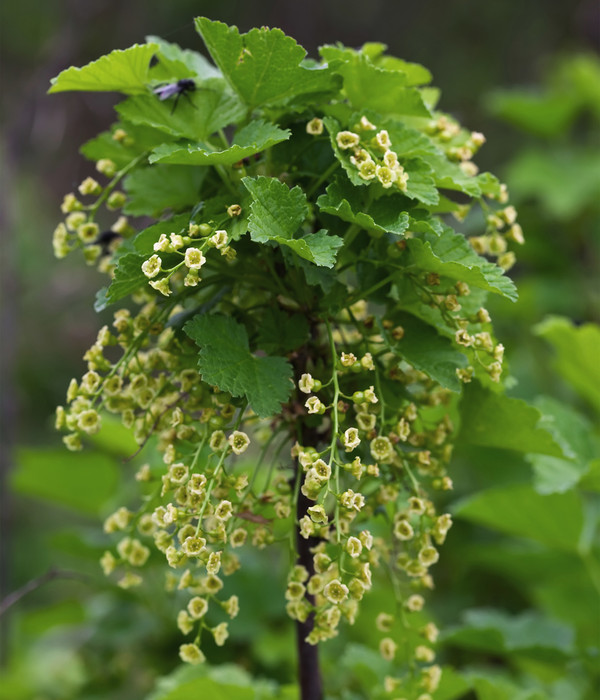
{"x":458,"y":144}
{"x":502,"y":229}
{"x":191,"y":247}
{"x":79,"y":229}
{"x":471,"y":327}
{"x":372,"y":155}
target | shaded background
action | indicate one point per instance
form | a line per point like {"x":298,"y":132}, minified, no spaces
{"x":472,"y":48}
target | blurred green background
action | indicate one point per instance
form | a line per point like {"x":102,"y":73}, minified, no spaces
{"x":527,"y":74}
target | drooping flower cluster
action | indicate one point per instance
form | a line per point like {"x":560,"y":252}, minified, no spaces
{"x":381,"y":459}
{"x":199,"y":519}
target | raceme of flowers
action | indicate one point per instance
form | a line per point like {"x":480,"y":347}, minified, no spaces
{"x":365,"y":436}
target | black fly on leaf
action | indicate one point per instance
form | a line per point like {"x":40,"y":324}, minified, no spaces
{"x":181,"y":87}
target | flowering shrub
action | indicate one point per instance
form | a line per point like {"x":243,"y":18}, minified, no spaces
{"x":296,"y":320}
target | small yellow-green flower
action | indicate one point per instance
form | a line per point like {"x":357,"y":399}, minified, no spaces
{"x":193,"y":546}
{"x":220,"y":634}
{"x":197,"y":607}
{"x":354,"y":547}
{"x":161,"y":286}
{"x":336,"y":592}
{"x":194,"y":258}
{"x":152,"y":266}
{"x":387,"y":648}
{"x":191,"y":654}
{"x":347,"y":139}
{"x":382,"y":449}
{"x":224,"y":511}
{"x":385,"y":175}
{"x":89,"y":421}
{"x":367,"y":170}
{"x":238,"y":441}
{"x":351,"y":439}
{"x":403,"y":530}
{"x":315,"y":405}
{"x":315,"y":127}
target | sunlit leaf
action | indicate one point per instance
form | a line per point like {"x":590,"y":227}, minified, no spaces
{"x":262,"y":66}
{"x":253,"y":138}
{"x":119,"y":71}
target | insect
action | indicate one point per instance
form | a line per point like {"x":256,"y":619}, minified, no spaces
{"x":106,"y":241}
{"x":181,"y":87}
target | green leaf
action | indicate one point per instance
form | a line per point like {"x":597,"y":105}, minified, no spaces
{"x":371,"y":87}
{"x":199,"y":66}
{"x":262,"y":66}
{"x":128,"y":277}
{"x":414,"y":73}
{"x":384,"y":215}
{"x":253,"y":138}
{"x":495,"y":420}
{"x":79,"y":543}
{"x":281,"y":332}
{"x":496,"y":632}
{"x":548,"y":578}
{"x":453,"y":685}
{"x":277,"y":210}
{"x":450,"y":255}
{"x":100,"y":301}
{"x":575,"y":435}
{"x":555,"y":475}
{"x":226,"y":361}
{"x":333,"y":295}
{"x":207,"y":688}
{"x":450,"y":176}
{"x":498,"y":686}
{"x":421,"y":182}
{"x":572,"y":430}
{"x":35,"y":622}
{"x":153,"y":190}
{"x":590,"y":481}
{"x":319,"y":248}
{"x":119,"y":71}
{"x":363,"y":663}
{"x":219,"y":682}
{"x":427,"y":351}
{"x":141,"y":139}
{"x":209,"y":111}
{"x":276,"y":214}
{"x":577,"y":350}
{"x":406,"y":141}
{"x":82,"y":482}
{"x":555,"y":520}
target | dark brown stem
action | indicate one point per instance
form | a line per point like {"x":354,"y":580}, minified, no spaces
{"x":309,"y":672}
